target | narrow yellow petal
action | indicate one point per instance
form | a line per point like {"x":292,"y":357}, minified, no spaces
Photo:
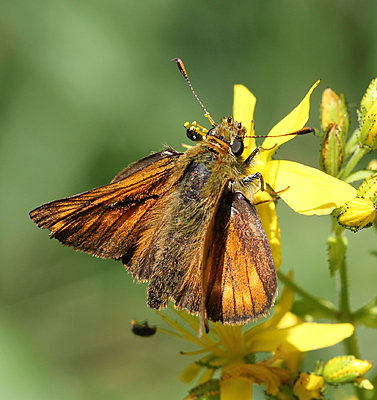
{"x":289,"y":319}
{"x":190,"y":373}
{"x":243,"y":111}
{"x":267,"y":214}
{"x":294,"y":121}
{"x":303,"y":337}
{"x":312,"y":336}
{"x":235,"y":389}
{"x":280,"y":311}
{"x":309,"y":190}
{"x":207,"y":375}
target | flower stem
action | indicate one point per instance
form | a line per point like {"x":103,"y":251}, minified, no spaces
{"x":345,"y":315}
{"x":352,"y":143}
{"x":326,"y":307}
{"x":352,"y":162}
{"x":344,"y":305}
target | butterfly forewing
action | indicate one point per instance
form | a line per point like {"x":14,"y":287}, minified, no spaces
{"x":106,"y":221}
{"x":240,"y":273}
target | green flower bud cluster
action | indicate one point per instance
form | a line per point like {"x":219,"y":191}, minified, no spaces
{"x":361,"y":211}
{"x":347,"y":369}
{"x":368,"y":118}
{"x":335,"y":125}
{"x":337,"y":371}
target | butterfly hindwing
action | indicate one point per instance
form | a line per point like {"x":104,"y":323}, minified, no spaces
{"x":240,"y":279}
{"x":106,"y":221}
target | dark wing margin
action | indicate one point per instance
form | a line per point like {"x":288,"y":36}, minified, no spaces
{"x":107,"y":221}
{"x":241,"y":283}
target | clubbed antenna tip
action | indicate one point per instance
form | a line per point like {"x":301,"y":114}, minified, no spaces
{"x":182,"y":68}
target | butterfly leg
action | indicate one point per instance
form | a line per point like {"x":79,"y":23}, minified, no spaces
{"x":252,"y":155}
{"x":254,"y":177}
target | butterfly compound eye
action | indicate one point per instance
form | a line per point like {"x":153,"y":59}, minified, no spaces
{"x":237,"y":147}
{"x":193,"y":135}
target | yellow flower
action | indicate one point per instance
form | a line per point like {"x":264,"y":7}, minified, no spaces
{"x":357,"y":214}
{"x":309,"y":387}
{"x":230,"y":350}
{"x":306,"y":190}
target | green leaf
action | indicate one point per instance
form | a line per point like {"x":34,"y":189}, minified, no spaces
{"x":360,"y":175}
{"x":367,"y":315}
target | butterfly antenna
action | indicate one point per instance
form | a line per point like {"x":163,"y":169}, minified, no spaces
{"x":303,"y":131}
{"x":182,"y":68}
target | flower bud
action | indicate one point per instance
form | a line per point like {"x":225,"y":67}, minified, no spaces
{"x":368,"y":189}
{"x":368,"y":129}
{"x":362,"y":210}
{"x":207,"y":390}
{"x":370,"y":95}
{"x":332,"y":150}
{"x":363,"y":383}
{"x":309,"y":386}
{"x":372,"y":165}
{"x":357,"y":214}
{"x":334,"y":111}
{"x":345,"y":369}
{"x":368,"y":117}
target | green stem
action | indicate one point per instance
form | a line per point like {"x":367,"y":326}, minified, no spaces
{"x":374,"y":383}
{"x":322,"y":304}
{"x":352,"y":142}
{"x":344,"y":305}
{"x":352,"y":162}
{"x":350,"y":344}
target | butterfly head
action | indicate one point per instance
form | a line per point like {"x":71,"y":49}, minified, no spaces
{"x":231,"y":132}
{"x":228,"y":131}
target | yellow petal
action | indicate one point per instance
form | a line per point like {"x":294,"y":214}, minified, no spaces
{"x":280,"y":311}
{"x":208,"y":374}
{"x":294,"y":121}
{"x":235,"y":389}
{"x":260,"y":373}
{"x":303,"y":337}
{"x":267,"y":214}
{"x":311,"y":336}
{"x":288,"y":320}
{"x":310,"y":191}
{"x":290,"y":356}
{"x":243,"y":111}
{"x":190,"y":373}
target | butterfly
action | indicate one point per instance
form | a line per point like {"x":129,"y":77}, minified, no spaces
{"x":182,"y":222}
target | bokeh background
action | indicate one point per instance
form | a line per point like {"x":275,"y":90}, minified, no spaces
{"x":86,"y":88}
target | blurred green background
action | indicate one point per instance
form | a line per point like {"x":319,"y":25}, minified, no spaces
{"x":86,"y":88}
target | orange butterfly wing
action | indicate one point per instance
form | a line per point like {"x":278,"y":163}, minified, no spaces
{"x":107,"y":221}
{"x":239,"y":279}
